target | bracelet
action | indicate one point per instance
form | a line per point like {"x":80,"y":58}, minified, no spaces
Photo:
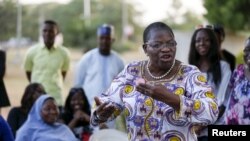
{"x":97,"y":118}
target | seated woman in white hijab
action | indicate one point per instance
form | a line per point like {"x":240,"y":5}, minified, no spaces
{"x":42,"y":124}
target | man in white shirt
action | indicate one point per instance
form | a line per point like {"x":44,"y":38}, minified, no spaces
{"x":99,"y":66}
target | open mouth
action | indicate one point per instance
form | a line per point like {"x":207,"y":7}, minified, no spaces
{"x":77,"y":107}
{"x":166,"y":57}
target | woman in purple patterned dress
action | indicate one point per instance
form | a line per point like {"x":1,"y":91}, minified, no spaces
{"x":161,"y":97}
{"x":238,"y":107}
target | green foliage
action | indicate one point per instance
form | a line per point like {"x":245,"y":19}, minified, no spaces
{"x":124,"y":46}
{"x":233,"y":14}
{"x":8,"y":16}
{"x":182,"y":20}
{"x":189,"y":22}
{"x":77,"y":30}
{"x":81,"y":32}
{"x":239,"y":58}
{"x":30,"y":22}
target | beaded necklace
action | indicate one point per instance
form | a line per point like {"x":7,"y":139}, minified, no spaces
{"x":159,"y":77}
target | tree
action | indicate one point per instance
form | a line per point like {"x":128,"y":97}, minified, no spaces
{"x":76,"y":31}
{"x":233,"y":14}
{"x":180,"y":18}
{"x":8,"y":14}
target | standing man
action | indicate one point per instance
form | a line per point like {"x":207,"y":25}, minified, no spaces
{"x":98,"y":67}
{"x":48,"y":63}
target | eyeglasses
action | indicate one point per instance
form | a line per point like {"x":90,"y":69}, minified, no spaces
{"x":158,"y":44}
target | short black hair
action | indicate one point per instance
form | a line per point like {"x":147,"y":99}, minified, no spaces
{"x":154,"y":26}
{"x":52,"y":22}
{"x":218,"y":29}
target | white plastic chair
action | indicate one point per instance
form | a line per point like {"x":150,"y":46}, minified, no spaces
{"x":108,"y":135}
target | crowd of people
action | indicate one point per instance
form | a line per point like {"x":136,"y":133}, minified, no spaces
{"x":160,"y":98}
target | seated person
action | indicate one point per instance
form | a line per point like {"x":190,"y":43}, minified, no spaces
{"x":42,"y":124}
{"x":18,"y":115}
{"x":5,"y":132}
{"x":77,"y":113}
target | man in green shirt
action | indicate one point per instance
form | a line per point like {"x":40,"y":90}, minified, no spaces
{"x":48,"y":63}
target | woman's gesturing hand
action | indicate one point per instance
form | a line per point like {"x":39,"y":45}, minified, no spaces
{"x":104,"y":109}
{"x":160,"y":93}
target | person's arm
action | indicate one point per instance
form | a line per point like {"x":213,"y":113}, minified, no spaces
{"x":102,"y":113}
{"x":64,"y":74}
{"x":66,"y":64}
{"x":160,"y":93}
{"x":109,"y":105}
{"x":78,"y":116}
{"x":199,"y":104}
{"x":28,"y":75}
{"x":28,"y":63}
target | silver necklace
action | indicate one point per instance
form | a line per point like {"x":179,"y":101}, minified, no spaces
{"x":159,"y":77}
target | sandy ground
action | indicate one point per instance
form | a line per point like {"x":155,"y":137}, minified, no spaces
{"x":15,"y":79}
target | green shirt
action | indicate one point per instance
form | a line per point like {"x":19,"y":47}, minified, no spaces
{"x":46,"y":67}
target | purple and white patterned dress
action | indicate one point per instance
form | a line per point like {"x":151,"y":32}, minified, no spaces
{"x":151,"y":120}
{"x":238,"y":108}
